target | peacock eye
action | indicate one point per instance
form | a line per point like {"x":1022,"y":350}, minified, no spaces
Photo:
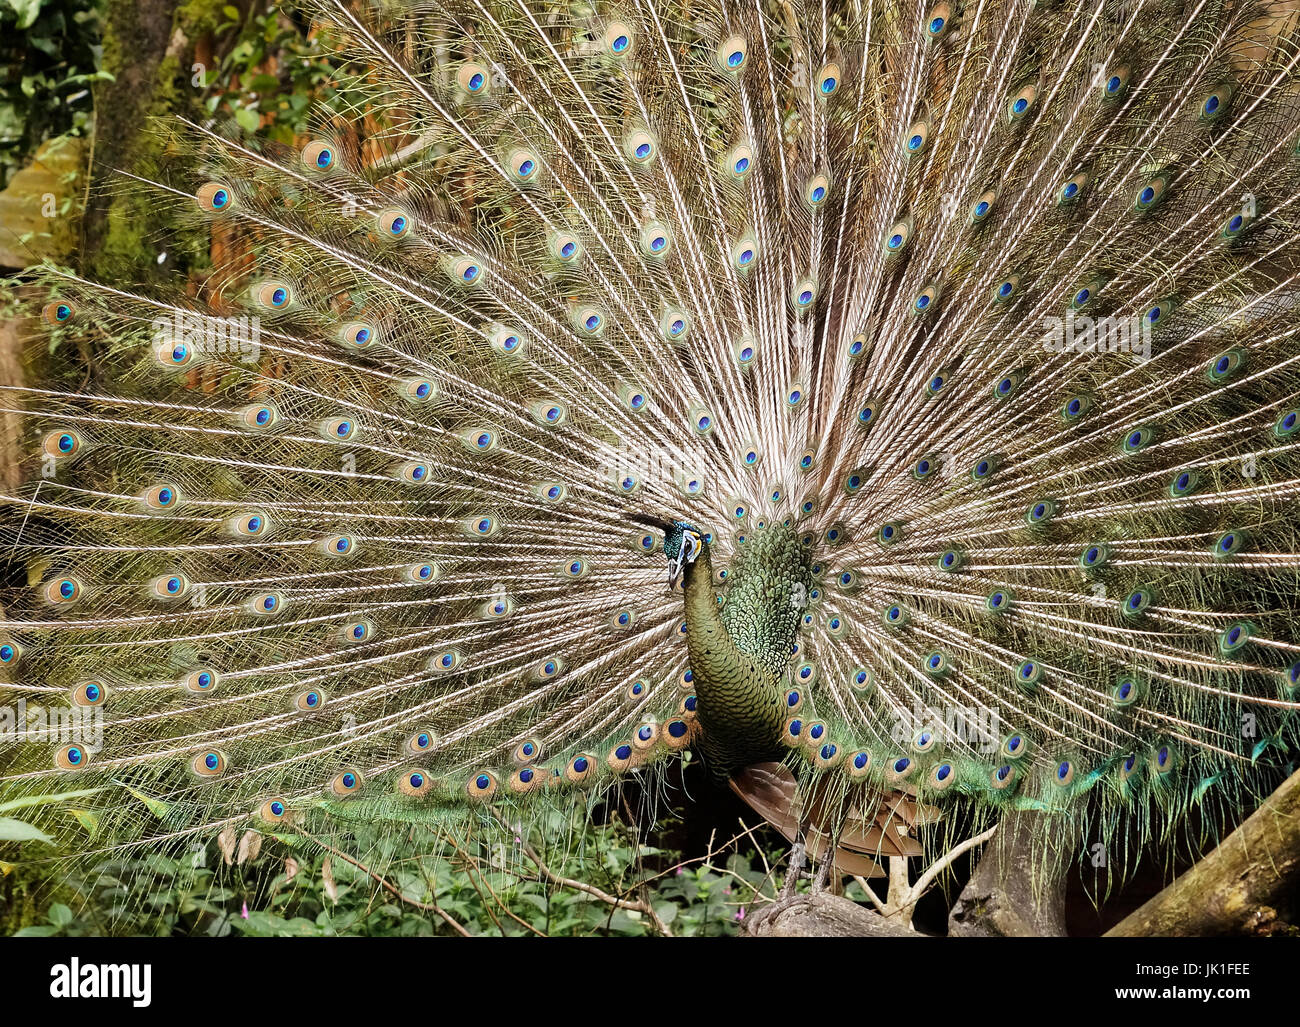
{"x":211,"y":763}
{"x":915,"y":138}
{"x":62,"y":444}
{"x":250,"y":525}
{"x":266,"y":604}
{"x":465,"y":271}
{"x":274,"y":296}
{"x":259,"y":416}
{"x":319,"y":156}
{"x":58,"y":312}
{"x":445,"y":662}
{"x":1007,"y":289}
{"x":203,"y":680}
{"x":214,"y":198}
{"x":732,"y":54}
{"x":347,"y":783}
{"x":816,"y":191}
{"x":525,"y":166}
{"x":618,"y":39}
{"x":640,"y":148}
{"x":71,"y":757}
{"x":828,"y":80}
{"x":473,"y":79}
{"x":173,"y":353}
{"x":169,"y":586}
{"x":89,"y":693}
{"x":740,"y":161}
{"x":310,"y":700}
{"x":357,"y":631}
{"x":394,"y":223}
{"x":64,"y":590}
{"x":898,"y":236}
{"x":1020,"y":104}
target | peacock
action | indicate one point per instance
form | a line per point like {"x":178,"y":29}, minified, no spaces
{"x":892,"y":405}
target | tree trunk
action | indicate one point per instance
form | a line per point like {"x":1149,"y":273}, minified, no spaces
{"x":1018,"y":888}
{"x":1239,"y":887}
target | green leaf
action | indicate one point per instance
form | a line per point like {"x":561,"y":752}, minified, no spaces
{"x":20,"y":831}
{"x":38,"y":931}
{"x":27,"y":10}
{"x":45,"y":800}
{"x":156,"y":806}
{"x":248,"y":119}
{"x":666,"y":911}
{"x":231,"y":12}
{"x":89,"y":821}
{"x":60,"y":915}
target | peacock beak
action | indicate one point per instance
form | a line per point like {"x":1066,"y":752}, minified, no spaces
{"x":676,"y":563}
{"x":674,"y":570}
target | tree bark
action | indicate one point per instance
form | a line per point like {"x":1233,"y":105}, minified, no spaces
{"x":1237,"y":888}
{"x":1018,"y":888}
{"x":822,"y":915}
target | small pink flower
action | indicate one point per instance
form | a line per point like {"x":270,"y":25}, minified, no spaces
{"x":726,"y":890}
{"x":740,"y":913}
{"x":680,"y":871}
{"x":244,"y":911}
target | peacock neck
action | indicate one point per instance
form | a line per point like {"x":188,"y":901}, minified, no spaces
{"x":739,"y":702}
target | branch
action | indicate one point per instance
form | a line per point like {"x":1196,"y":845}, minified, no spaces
{"x":428,"y":907}
{"x":590,"y":889}
{"x":1237,"y":887}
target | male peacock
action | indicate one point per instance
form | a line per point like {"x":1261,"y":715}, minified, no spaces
{"x":947,"y":352}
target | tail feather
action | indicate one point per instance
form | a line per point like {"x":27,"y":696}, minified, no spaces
{"x":994,"y":306}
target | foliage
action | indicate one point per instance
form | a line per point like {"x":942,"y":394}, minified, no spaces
{"x":51,"y":53}
{"x":279,"y":103}
{"x":292,"y":888}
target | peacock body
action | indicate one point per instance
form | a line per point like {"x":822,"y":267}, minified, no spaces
{"x":947,"y":353}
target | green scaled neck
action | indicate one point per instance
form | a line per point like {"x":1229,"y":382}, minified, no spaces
{"x":739,"y":651}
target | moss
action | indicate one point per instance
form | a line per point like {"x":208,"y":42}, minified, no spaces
{"x":151,"y":82}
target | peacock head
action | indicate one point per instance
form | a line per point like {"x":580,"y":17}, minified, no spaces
{"x":682,"y":545}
